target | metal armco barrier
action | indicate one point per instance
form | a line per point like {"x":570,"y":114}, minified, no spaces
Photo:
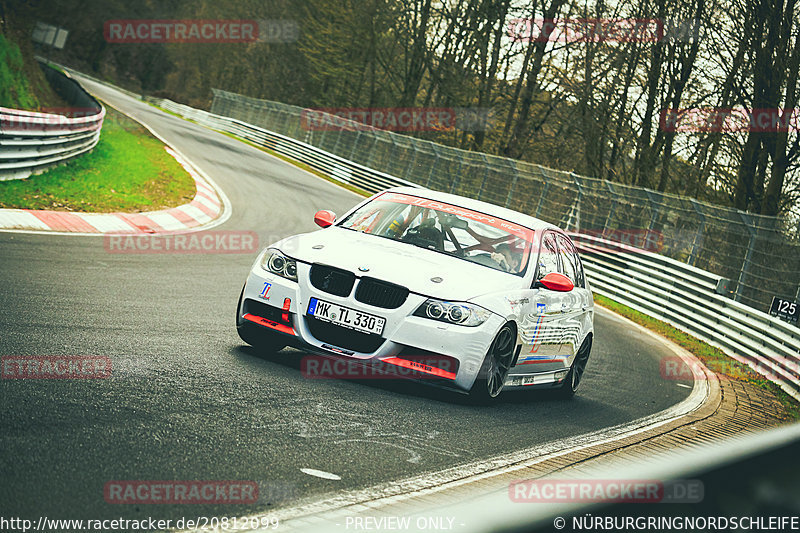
{"x":664,"y":288}
{"x":31,"y":142}
{"x":685,"y":297}
{"x":336,"y":167}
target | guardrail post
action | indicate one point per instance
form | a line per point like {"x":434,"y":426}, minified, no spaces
{"x":544,"y":192}
{"x":355,"y":145}
{"x":513,"y":184}
{"x":745,"y":270}
{"x":655,"y":208}
{"x":574,"y":216}
{"x":485,"y":175}
{"x":335,"y":149}
{"x":607,"y":223}
{"x":433,"y":166}
{"x":457,"y":177}
{"x":411,"y":164}
{"x":698,"y":234}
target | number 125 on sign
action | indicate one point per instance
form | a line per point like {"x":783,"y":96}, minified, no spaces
{"x":785,"y":309}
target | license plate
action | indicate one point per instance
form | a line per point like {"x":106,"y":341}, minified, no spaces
{"x":346,"y":317}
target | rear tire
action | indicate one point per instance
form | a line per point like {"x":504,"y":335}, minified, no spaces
{"x":496,"y":365}
{"x":573,"y":379}
{"x":256,"y":336}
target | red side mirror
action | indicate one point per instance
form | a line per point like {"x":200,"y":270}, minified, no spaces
{"x":556,"y":282}
{"x":323,"y":219}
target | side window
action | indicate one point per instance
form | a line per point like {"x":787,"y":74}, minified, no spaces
{"x":548,"y":256}
{"x":579,"y":271}
{"x":567,"y":268}
{"x":570,"y":262}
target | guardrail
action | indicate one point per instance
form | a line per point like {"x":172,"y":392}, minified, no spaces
{"x":336,"y":167}
{"x":31,"y":142}
{"x":685,"y":297}
{"x":664,"y":288}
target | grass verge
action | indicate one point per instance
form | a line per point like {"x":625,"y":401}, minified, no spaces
{"x":129,"y":170}
{"x":715,"y":359}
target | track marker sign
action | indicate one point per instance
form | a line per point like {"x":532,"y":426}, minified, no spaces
{"x":49,"y":35}
{"x":785,"y":309}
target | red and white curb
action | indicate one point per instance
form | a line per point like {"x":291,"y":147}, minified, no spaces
{"x":206,"y":207}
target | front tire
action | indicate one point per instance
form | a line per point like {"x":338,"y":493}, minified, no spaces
{"x":496,"y":365}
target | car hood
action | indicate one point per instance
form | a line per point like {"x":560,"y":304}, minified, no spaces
{"x":400,"y":263}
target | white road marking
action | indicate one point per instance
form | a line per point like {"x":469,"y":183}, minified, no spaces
{"x":320,"y":473}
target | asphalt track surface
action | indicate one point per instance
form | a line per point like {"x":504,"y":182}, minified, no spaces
{"x":187,"y":400}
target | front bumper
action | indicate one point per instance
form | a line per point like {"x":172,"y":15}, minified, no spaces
{"x":405,"y":338}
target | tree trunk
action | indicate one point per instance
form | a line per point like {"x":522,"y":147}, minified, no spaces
{"x":513,"y":148}
{"x":780,"y":159}
{"x":490,"y":75}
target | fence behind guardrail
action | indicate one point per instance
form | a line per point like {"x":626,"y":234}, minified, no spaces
{"x":759,"y":253}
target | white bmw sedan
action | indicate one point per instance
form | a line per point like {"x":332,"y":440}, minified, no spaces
{"x":462,"y":293}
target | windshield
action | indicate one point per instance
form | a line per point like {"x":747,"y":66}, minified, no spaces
{"x":457,"y":231}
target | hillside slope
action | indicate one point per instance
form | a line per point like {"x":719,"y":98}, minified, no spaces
{"x":22,"y":83}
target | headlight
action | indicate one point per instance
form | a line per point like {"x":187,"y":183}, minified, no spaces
{"x":460,"y":313}
{"x":277,"y":263}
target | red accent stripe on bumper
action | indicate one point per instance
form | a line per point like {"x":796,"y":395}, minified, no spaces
{"x":419,"y":367}
{"x":269,"y":323}
{"x":536,"y":361}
